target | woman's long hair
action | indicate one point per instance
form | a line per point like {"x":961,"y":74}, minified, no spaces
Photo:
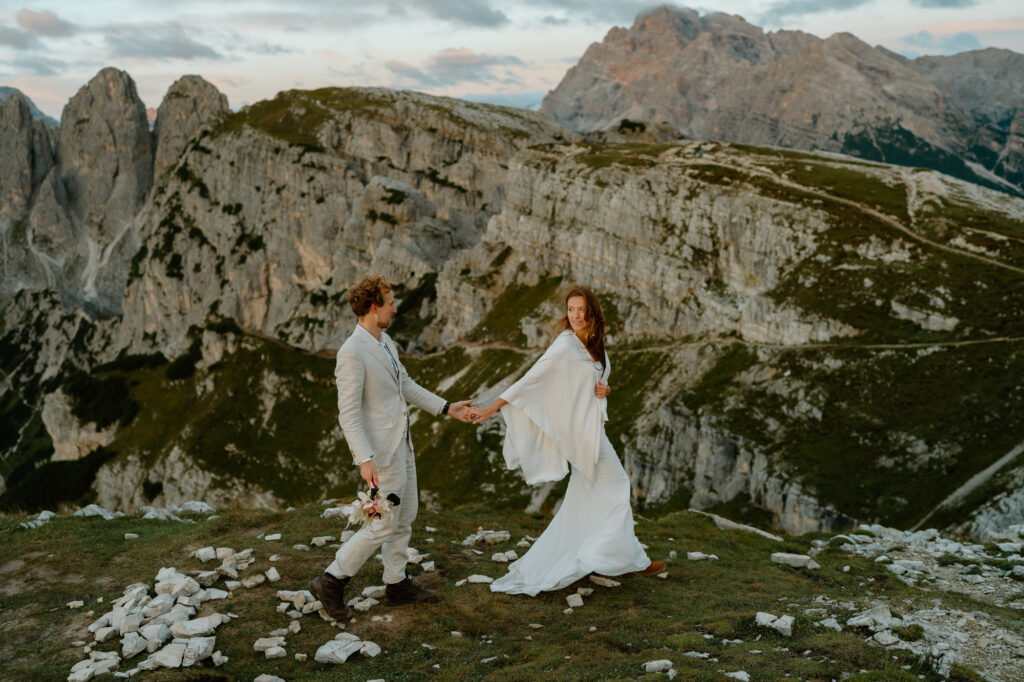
{"x":595,"y":321}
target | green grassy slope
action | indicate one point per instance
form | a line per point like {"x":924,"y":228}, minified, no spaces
{"x":610,"y":637}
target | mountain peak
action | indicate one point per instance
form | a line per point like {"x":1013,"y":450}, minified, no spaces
{"x":718,"y":77}
{"x":8,"y":92}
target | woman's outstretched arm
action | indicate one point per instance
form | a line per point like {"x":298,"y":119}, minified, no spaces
{"x":479,"y":414}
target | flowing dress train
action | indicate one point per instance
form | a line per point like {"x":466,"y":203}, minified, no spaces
{"x":555,"y":424}
{"x":591,"y":533}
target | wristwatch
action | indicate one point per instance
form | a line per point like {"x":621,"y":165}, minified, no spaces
{"x":444,"y":410}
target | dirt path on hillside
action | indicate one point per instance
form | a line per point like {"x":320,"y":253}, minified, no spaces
{"x":973,"y":483}
{"x":888,"y":220}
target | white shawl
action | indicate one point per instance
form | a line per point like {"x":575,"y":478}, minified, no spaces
{"x":553,"y":418}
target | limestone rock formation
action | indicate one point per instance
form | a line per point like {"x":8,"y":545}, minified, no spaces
{"x":87,"y":204}
{"x":190,"y":102}
{"x":26,"y":156}
{"x":268,"y":216}
{"x":717,"y":77}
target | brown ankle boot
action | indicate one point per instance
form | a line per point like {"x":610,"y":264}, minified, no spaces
{"x":407,"y":591}
{"x":330,"y":592}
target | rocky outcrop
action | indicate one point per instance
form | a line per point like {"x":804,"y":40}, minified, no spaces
{"x":190,"y":102}
{"x":26,"y":156}
{"x":717,"y":77}
{"x":71,"y":439}
{"x":266,"y":223}
{"x":78,"y":229}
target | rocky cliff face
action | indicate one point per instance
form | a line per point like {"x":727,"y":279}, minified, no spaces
{"x":767,"y":327}
{"x":190,"y":102}
{"x":267,"y":217}
{"x":86,"y":204}
{"x":716,"y":77}
{"x":783,"y":325}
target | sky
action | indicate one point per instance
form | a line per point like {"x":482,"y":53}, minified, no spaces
{"x":502,"y":51}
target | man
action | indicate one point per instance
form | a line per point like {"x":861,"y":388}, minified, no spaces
{"x":374,"y":391}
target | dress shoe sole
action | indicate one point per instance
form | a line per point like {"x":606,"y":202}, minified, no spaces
{"x":398,"y":601}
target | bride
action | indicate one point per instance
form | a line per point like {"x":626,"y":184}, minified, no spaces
{"x":554,"y":417}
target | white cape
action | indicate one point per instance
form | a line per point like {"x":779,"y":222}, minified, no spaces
{"x":553,"y":418}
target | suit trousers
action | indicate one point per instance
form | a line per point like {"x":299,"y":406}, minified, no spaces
{"x":392,"y":533}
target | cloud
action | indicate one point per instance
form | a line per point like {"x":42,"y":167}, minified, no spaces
{"x":45,"y":24}
{"x":924,"y":42}
{"x":156,"y":41}
{"x":38,"y":65}
{"x":798,"y":8}
{"x":19,"y":40}
{"x":452,"y":66}
{"x":591,"y":11}
{"x":944,"y":3}
{"x":469,"y":12}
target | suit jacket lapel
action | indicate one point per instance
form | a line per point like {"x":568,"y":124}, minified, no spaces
{"x":377,"y":352}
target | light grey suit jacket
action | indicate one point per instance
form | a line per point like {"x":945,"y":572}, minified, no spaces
{"x":373,"y":403}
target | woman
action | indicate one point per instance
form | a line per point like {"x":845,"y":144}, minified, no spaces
{"x":555,"y":418}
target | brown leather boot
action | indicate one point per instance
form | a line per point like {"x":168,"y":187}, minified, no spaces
{"x":406,"y":592}
{"x":330,"y":592}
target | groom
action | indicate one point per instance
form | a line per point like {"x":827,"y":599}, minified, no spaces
{"x":373,"y":395}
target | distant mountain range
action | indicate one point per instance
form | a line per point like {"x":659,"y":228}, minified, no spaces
{"x":717,"y":77}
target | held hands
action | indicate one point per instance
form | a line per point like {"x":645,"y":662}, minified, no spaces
{"x":461,"y":410}
{"x":478,"y":415}
{"x":602,"y":390}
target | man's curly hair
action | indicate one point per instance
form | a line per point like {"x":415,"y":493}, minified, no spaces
{"x":366,"y":291}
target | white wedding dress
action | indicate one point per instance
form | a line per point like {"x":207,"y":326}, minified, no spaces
{"x":555,"y":424}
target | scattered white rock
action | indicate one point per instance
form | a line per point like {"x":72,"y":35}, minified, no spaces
{"x":364,"y":605}
{"x":476,"y":578}
{"x":275,"y":652}
{"x":254,"y":580}
{"x":77,"y":604}
{"x":133,"y":644}
{"x":574,"y":600}
{"x":205,"y":554}
{"x":660,"y":666}
{"x":604,"y":582}
{"x":96,"y":510}
{"x":701,"y":556}
{"x":337,"y":651}
{"x":272,"y":537}
{"x":370,"y":649}
{"x":272,"y":574}
{"x":131,"y":536}
{"x":794,"y":560}
{"x":738,"y":675}
{"x":264,"y":643}
{"x":40,"y":519}
{"x":171,"y":655}
{"x":428,"y":566}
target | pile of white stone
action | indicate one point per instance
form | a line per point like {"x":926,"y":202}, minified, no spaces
{"x":162,"y":625}
{"x":914,"y":558}
{"x":929,"y":561}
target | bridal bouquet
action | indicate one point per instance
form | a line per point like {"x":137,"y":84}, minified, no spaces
{"x":370,"y":506}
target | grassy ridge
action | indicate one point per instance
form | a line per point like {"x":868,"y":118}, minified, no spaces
{"x":610,"y":637}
